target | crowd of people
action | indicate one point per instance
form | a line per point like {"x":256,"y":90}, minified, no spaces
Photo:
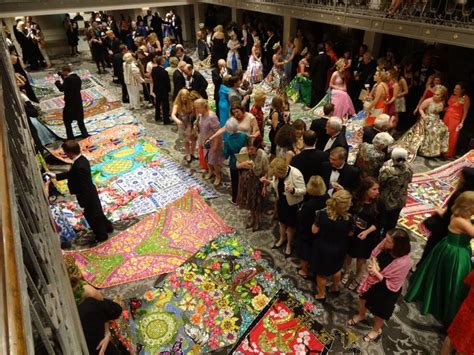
{"x":329,"y":212}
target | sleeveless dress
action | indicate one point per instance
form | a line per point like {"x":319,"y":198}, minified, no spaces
{"x":378,"y":109}
{"x":233,"y":58}
{"x":218,"y":50}
{"x":341,"y":100}
{"x":390,"y":108}
{"x":428,"y":138}
{"x":254,"y":73}
{"x":438,"y":281}
{"x":452,"y":118}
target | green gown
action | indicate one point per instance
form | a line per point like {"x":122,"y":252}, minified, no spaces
{"x":438,"y":281}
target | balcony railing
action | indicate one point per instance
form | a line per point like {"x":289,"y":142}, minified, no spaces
{"x":454,"y":13}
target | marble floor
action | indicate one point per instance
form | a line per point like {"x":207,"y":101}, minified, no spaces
{"x":407,"y":332}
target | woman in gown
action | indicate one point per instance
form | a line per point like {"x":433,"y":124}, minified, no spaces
{"x":438,"y":281}
{"x":290,"y":54}
{"x":379,"y":291}
{"x":339,"y":97}
{"x":218,"y":49}
{"x":432,"y":82}
{"x":254,"y":73}
{"x":300,"y":87}
{"x":375,"y":101}
{"x":429,"y":136}
{"x":276,"y":78}
{"x":233,"y":57}
{"x":224,"y":103}
{"x":458,"y":106}
{"x":249,"y":195}
{"x":332,"y":226}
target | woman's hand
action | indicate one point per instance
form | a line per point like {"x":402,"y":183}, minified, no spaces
{"x":264,"y":180}
{"x":264,"y":190}
{"x":459,"y":127}
{"x":102,"y":347}
{"x":362,"y":235}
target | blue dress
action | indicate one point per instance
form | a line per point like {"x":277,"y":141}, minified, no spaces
{"x":224,"y":105}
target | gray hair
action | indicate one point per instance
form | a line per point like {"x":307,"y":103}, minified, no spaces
{"x":382,"y":122}
{"x":335,"y":123}
{"x":399,"y":154}
{"x":383,"y":139}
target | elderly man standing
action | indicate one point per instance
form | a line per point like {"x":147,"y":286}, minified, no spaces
{"x":381,"y":124}
{"x":337,"y":138}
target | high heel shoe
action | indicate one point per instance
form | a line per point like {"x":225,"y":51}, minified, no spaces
{"x":276,"y":245}
{"x":287,"y":255}
{"x":321,"y":300}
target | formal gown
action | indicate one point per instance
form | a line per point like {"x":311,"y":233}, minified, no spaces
{"x":452,"y":119}
{"x":428,"y":137}
{"x":299,"y":88}
{"x":233,"y":57}
{"x":378,"y":109}
{"x":438,"y":281}
{"x":218,"y":50}
{"x":341,"y":99}
{"x":254,"y":73}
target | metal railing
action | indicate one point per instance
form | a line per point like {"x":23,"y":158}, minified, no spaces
{"x":37,"y":308}
{"x":457,"y":13}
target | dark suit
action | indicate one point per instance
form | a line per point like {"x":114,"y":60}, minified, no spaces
{"x":73,"y":110}
{"x":117,"y":62}
{"x":199,"y":84}
{"x":319,"y":126}
{"x":319,"y":73}
{"x":309,"y":162}
{"x":217,"y":81}
{"x":369,"y":133}
{"x":179,"y":82}
{"x":340,"y":141}
{"x":79,"y":182}
{"x":348,"y":176}
{"x":161,"y":88}
{"x":187,"y":59}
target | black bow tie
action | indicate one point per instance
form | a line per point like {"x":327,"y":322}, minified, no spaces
{"x":338,"y":170}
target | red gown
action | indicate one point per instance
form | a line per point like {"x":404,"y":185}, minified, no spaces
{"x":452,"y":119}
{"x":461,"y":330}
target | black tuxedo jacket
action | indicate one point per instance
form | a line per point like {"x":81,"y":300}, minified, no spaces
{"x":217,"y":80}
{"x":71,"y":87}
{"x":269,"y":49}
{"x":199,"y":84}
{"x":187,"y":59}
{"x":79,"y":182}
{"x":369,"y":134}
{"x":319,"y":126}
{"x":179,"y":82}
{"x":319,"y":69}
{"x":309,"y":162}
{"x":161,"y":82}
{"x":339,"y":142}
{"x":348,"y":176}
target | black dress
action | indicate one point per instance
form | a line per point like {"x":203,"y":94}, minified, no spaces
{"x":330,"y":245}
{"x":305,"y":238}
{"x":287,"y":214}
{"x":219,"y":51}
{"x":370,"y":214}
{"x":273,"y":131}
{"x":380,"y":301}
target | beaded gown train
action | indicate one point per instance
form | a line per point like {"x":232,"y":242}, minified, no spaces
{"x":438,"y":281}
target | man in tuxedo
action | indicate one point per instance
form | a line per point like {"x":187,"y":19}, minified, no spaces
{"x":197,"y":82}
{"x":73,"y":110}
{"x":117,"y":63}
{"x":319,"y":126}
{"x":179,"y":81}
{"x":310,"y":159}
{"x":319,"y":66}
{"x":381,"y":124}
{"x":218,"y":74}
{"x":179,"y":53}
{"x":336,"y":133}
{"x":160,"y":88}
{"x":269,"y":51}
{"x":79,"y":182}
{"x":337,"y":174}
{"x":177,"y":27}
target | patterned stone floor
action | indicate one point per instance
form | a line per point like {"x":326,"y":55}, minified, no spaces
{"x":408,"y":332}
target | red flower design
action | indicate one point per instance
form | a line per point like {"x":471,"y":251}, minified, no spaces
{"x":257,"y":255}
{"x":308,"y":306}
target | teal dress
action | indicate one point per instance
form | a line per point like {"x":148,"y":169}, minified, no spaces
{"x":438,"y":281}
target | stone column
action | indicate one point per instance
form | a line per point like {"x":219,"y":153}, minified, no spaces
{"x":373,"y":40}
{"x":289,"y":28}
{"x":185,"y":13}
{"x":199,"y":14}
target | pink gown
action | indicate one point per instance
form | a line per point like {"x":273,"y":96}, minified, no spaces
{"x":341,"y":100}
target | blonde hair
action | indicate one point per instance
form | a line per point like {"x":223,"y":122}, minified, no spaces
{"x":338,"y":205}
{"x":128,"y":57}
{"x":152,"y":38}
{"x":383,"y":75}
{"x":219,"y":28}
{"x":340,"y":64}
{"x":194,"y":95}
{"x":259,"y":96}
{"x":201,"y":103}
{"x":463,"y":204}
{"x":441,"y":89}
{"x":186,"y":108}
{"x":316,"y":186}
{"x":278,"y":167}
